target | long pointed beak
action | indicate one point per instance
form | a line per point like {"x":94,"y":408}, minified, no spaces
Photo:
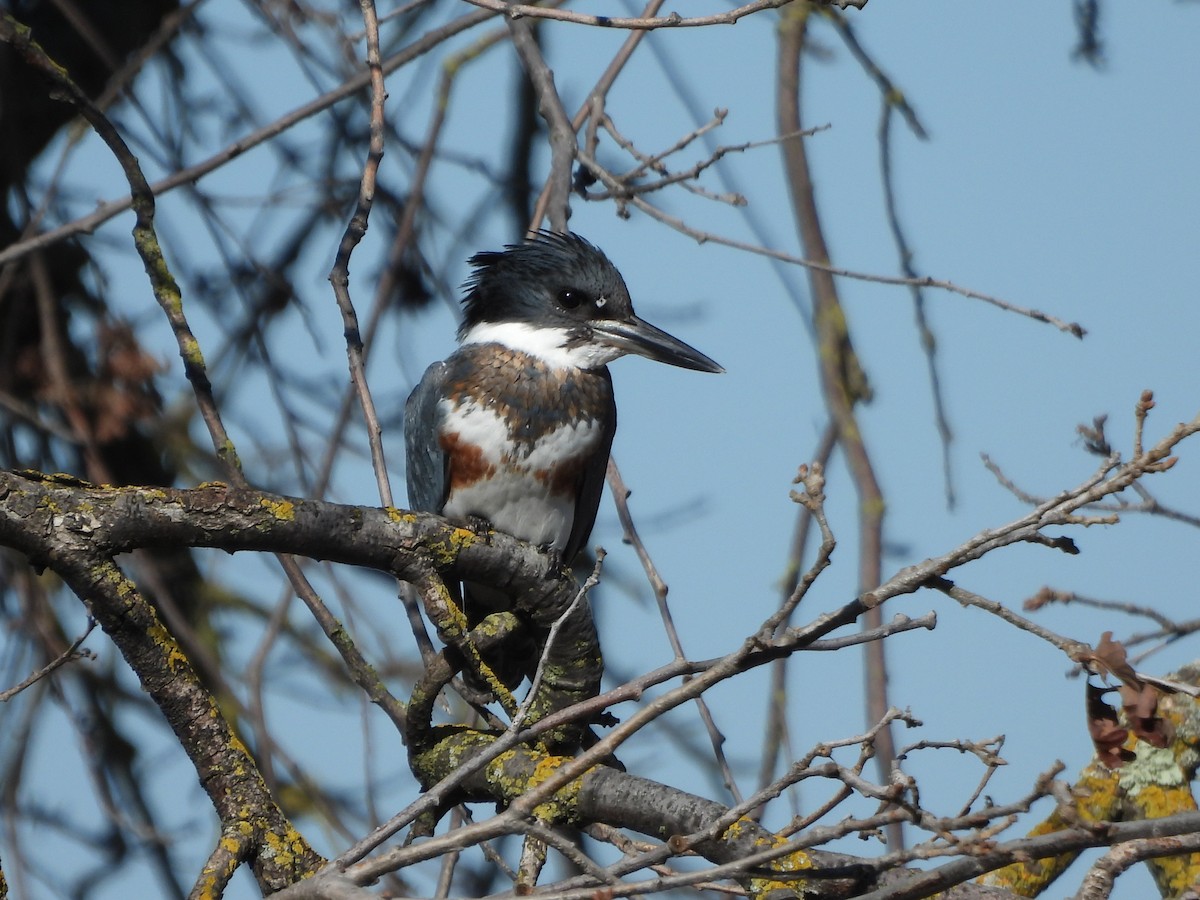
{"x":634,"y":335}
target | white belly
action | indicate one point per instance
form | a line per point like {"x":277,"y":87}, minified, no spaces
{"x":517,"y":505}
{"x":517,"y":497}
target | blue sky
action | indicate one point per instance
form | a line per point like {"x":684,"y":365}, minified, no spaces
{"x":1044,"y":182}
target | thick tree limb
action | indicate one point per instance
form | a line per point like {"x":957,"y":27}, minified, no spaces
{"x":51,"y":520}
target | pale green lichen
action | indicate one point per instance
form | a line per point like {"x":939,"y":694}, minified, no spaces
{"x":1150,"y":766}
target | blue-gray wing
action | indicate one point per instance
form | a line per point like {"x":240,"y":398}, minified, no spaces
{"x":427,"y":471}
{"x":591,"y":483}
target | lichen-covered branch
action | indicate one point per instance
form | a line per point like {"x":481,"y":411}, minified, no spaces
{"x":277,"y":853}
{"x":42,"y":515}
{"x":1136,"y":781}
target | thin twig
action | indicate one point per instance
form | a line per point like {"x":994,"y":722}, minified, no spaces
{"x":674,"y":20}
{"x":630,"y":186}
{"x":339,"y":275}
{"x":551,"y":636}
{"x":843,"y":382}
{"x":1068,"y":646}
{"x":776,"y":737}
{"x":351,"y":86}
{"x":561,"y":131}
{"x":705,"y":237}
{"x":1100,"y":880}
{"x":71,"y":654}
{"x":924,"y":329}
{"x":621,"y":497}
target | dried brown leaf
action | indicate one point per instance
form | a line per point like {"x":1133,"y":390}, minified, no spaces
{"x":1108,"y":658}
{"x":1141,"y":711}
{"x":1105,"y":728}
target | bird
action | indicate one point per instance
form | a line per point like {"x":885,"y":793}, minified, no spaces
{"x":515,"y":427}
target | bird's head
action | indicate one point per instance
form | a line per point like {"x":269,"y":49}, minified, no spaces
{"x":559,"y":297}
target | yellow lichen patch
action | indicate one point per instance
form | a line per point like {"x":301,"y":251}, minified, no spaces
{"x":1172,"y":874}
{"x":446,"y":552}
{"x":495,"y":627}
{"x":1097,"y":795}
{"x":734,"y":831}
{"x":462,"y":745}
{"x":796,"y":861}
{"x":146,"y":493}
{"x":284,"y":848}
{"x":234,"y":837}
{"x":399,"y":516}
{"x":451,"y":622}
{"x":559,"y":808}
{"x":463,"y":537}
{"x":189,"y":349}
{"x":173,"y":654}
{"x":562,"y":804}
{"x":452,"y":627}
{"x":1097,"y":799}
{"x":63,"y":478}
{"x":235,"y":744}
{"x":227,"y":452}
{"x":284,"y":510}
{"x":1160,"y":789}
{"x":235,"y":841}
{"x":243,"y":827}
{"x":107,"y":571}
{"x":206,"y":888}
{"x":50,"y":503}
{"x":497,"y":774}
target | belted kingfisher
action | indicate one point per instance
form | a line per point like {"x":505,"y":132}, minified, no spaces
{"x":515,"y":426}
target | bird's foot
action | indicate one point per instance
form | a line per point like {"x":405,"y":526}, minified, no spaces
{"x":557,"y":563}
{"x":479,"y":526}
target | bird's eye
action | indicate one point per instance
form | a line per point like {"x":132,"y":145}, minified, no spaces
{"x":570,"y":298}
